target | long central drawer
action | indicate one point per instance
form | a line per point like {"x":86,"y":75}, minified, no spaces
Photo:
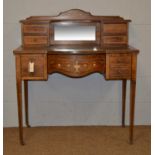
{"x":76,"y":65}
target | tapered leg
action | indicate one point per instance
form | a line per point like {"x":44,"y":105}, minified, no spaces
{"x":123,"y":101}
{"x":132,"y":108}
{"x":19,"y":98}
{"x":26,"y":102}
{"x":20,"y":117}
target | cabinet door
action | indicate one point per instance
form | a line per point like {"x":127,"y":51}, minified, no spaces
{"x":34,"y":66}
{"x":118,"y":66}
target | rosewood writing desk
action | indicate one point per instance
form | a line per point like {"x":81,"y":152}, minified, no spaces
{"x":76,"y":44}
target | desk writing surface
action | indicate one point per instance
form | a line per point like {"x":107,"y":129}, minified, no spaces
{"x":77,"y":49}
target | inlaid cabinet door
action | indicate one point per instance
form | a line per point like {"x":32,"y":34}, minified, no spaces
{"x":118,"y":66}
{"x":34,"y":66}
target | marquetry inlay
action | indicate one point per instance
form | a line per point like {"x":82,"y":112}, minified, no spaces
{"x":59,"y":65}
{"x":68,"y":65}
{"x":94,"y":64}
{"x":76,"y":66}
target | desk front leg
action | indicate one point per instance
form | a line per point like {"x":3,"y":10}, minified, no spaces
{"x":26,"y":103}
{"x":132,"y":107}
{"x":132,"y":95}
{"x":123,"y":101}
{"x":19,"y":99}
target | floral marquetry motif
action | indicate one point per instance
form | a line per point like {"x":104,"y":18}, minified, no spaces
{"x":76,"y":66}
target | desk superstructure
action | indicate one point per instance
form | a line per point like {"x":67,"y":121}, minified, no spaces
{"x":42,"y":54}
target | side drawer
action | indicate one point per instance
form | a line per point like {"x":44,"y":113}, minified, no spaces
{"x":35,"y":40}
{"x":120,"y":72}
{"x":115,"y":28}
{"x":120,"y":59}
{"x":36,"y":29}
{"x":118,"y":66}
{"x":34,"y":66}
{"x":115,"y":39}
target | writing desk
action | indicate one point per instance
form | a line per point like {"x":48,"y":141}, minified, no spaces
{"x":108,"y":53}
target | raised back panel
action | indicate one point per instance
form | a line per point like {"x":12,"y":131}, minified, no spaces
{"x":39,"y":30}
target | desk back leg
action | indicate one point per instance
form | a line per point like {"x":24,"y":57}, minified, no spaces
{"x":26,"y":103}
{"x":123,"y":101}
{"x":132,"y":108}
{"x":19,"y":99}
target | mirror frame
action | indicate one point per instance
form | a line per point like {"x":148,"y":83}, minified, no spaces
{"x":76,"y":23}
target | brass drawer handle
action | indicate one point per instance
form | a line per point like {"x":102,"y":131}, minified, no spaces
{"x":31,"y":67}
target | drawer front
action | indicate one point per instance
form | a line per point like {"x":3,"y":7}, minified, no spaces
{"x":115,"y":40}
{"x":120,"y":59}
{"x":76,"y":65}
{"x":115,"y":28}
{"x":120,"y":72}
{"x":37,"y":29}
{"x":118,"y":66}
{"x":35,"y":40}
{"x":34,"y":66}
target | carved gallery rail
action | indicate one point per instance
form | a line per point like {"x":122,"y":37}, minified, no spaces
{"x":102,"y":47}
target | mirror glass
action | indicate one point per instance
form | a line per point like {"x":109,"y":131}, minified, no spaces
{"x":74,"y":33}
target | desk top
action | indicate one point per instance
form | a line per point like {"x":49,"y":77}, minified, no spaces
{"x":76,"y":49}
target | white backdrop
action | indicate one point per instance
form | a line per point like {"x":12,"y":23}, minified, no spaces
{"x":87,"y":101}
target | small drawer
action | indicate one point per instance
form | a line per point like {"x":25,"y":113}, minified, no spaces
{"x":35,"y":40}
{"x":120,"y":59}
{"x":115,"y":28}
{"x":121,"y":72}
{"x":34,"y":66}
{"x":115,"y":40}
{"x":76,"y":65}
{"x":118,"y":66}
{"x":37,"y":29}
